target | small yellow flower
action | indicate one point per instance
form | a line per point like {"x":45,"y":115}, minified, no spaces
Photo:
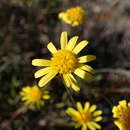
{"x":65,"y":62}
{"x":34,"y":96}
{"x":86,"y":117}
{"x":122,"y":115}
{"x":73,"y":16}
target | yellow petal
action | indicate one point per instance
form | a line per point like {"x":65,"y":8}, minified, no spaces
{"x":67,"y":81}
{"x":74,"y":83}
{"x":72,"y":42}
{"x":93,"y":108}
{"x":123,"y":103}
{"x":119,"y":125}
{"x":28,"y":102}
{"x":41,"y":72}
{"x":61,"y":15}
{"x":39,"y":104}
{"x":97,"y":113}
{"x":72,"y":78}
{"x":75,"y":87}
{"x":24,"y":98}
{"x":40,"y":62}
{"x":99,"y":118}
{"x":96,"y":125}
{"x":63,"y":40}
{"x":87,"y":58}
{"x":70,"y":81}
{"x":46,"y":97}
{"x":44,"y":80}
{"x":77,"y":125}
{"x":72,"y":112}
{"x":80,"y":46}
{"x":26,"y":89}
{"x":75,"y":23}
{"x":86,"y":107}
{"x":84,"y":127}
{"x":86,"y":68}
{"x":51,"y":48}
{"x":91,"y":126}
{"x":22,"y":93}
{"x":114,"y":109}
{"x":79,"y":106}
{"x":84,"y":75}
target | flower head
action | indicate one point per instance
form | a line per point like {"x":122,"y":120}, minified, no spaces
{"x":65,"y":62}
{"x":34,"y":96}
{"x":73,"y":16}
{"x":86,"y":117}
{"x":122,"y":115}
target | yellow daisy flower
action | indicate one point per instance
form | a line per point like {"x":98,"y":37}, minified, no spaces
{"x":122,"y":115}
{"x":86,"y":117}
{"x":73,"y":16}
{"x":65,"y":62}
{"x":34,"y":96}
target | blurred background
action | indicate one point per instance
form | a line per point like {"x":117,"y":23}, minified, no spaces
{"x":26,"y":27}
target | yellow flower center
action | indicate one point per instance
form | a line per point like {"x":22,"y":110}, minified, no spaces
{"x":85,"y":117}
{"x":64,"y":62}
{"x":35,"y":94}
{"x":124,"y":116}
{"x":76,"y":14}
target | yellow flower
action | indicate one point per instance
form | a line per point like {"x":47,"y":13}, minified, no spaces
{"x":34,"y":96}
{"x":86,"y":117}
{"x":122,"y":115}
{"x":73,"y":16}
{"x":65,"y":62}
